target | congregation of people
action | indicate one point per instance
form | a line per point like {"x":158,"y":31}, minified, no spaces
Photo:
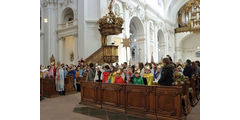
{"x":165,"y":73}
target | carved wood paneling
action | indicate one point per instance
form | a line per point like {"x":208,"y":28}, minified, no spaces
{"x":160,"y":101}
{"x":48,"y":87}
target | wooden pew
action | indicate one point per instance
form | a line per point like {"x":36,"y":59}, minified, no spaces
{"x":194,"y":91}
{"x":154,"y":102}
{"x":198,"y":86}
{"x":69,"y":85}
{"x":41,"y":86}
{"x":168,"y":103}
{"x":80,"y":79}
{"x":185,"y":96}
{"x":49,"y":89}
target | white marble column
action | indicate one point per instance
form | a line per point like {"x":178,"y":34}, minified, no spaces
{"x":155,"y":54}
{"x":41,"y":49}
{"x":147,"y":43}
{"x":126,"y":31}
{"x":76,"y":49}
{"x":166,"y":43}
{"x":141,"y":45}
{"x":60,"y":49}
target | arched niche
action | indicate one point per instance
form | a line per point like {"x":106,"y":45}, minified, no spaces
{"x":190,"y":45}
{"x":67,"y":15}
{"x":137,"y":38}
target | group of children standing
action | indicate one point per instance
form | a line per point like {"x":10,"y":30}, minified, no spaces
{"x":130,"y":75}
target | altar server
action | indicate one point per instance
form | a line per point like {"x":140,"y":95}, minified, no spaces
{"x":61,"y":81}
{"x":57,"y":78}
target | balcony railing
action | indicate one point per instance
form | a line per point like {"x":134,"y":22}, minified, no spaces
{"x":67,"y":24}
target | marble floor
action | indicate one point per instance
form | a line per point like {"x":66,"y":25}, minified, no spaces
{"x":62,"y":108}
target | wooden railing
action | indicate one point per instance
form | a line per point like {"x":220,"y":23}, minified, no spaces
{"x":154,"y":102}
{"x":96,"y":57}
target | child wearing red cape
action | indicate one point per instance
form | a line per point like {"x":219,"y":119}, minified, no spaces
{"x":118,"y":78}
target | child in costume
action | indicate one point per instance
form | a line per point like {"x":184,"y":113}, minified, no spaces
{"x":178,"y":76}
{"x":118,"y":78}
{"x":157,"y":75}
{"x":138,"y":79}
{"x":129,"y":75}
{"x":112,"y":75}
{"x":124,"y":75}
{"x":105,"y":73}
{"x":148,"y":76}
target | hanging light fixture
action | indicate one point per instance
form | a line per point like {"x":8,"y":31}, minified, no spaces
{"x":45,"y":20}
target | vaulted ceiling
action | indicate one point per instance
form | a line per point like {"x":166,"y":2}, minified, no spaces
{"x":168,"y":9}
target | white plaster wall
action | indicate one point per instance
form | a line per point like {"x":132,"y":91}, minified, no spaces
{"x":92,"y":41}
{"x":87,"y":37}
{"x":187,"y":44}
{"x":68,"y":48}
{"x":190,"y":46}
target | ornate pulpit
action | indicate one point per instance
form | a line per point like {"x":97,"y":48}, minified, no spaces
{"x":110,"y":25}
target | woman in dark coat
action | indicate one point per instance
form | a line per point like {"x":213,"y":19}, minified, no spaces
{"x":188,"y":71}
{"x":166,"y":74}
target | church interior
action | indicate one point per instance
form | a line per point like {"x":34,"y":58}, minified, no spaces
{"x":119,"y":59}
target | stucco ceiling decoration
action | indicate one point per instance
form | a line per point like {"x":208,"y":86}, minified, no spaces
{"x":167,"y":9}
{"x":66,"y":2}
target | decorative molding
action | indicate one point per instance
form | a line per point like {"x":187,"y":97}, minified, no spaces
{"x":44,"y":3}
{"x":91,"y":21}
{"x":67,"y":32}
{"x":117,"y":9}
{"x":66,"y":3}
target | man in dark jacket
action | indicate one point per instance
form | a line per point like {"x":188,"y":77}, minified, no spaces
{"x":166,"y":74}
{"x":188,"y":71}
